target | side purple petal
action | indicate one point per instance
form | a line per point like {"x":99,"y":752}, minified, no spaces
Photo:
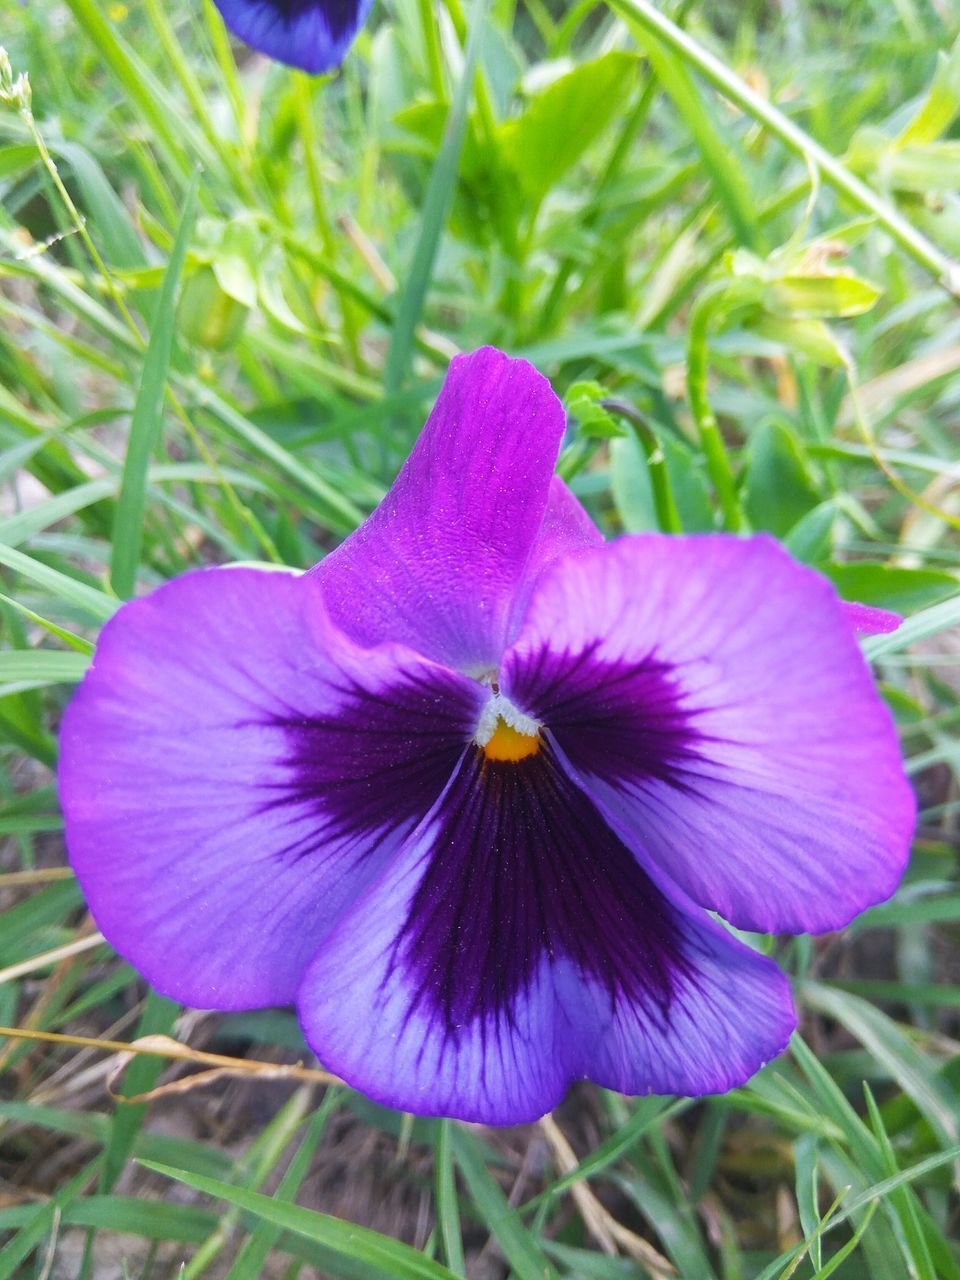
{"x":710,"y":693}
{"x":234,"y":773}
{"x":313,"y":35}
{"x":516,"y":945}
{"x":439,"y":563}
{"x":867,"y":620}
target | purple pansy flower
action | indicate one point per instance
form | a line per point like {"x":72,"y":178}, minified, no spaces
{"x":311,"y":34}
{"x":468,"y":790}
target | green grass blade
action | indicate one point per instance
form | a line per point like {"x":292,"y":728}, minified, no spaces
{"x":448,"y":1207}
{"x":436,"y":204}
{"x":146,"y":424}
{"x":518,"y":1245}
{"x":35,"y":668}
{"x":249,"y":1262}
{"x":342,"y":1238}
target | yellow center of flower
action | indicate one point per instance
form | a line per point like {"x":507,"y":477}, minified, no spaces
{"x":507,"y":743}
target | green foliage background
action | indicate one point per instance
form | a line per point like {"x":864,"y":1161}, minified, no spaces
{"x":228,"y":293}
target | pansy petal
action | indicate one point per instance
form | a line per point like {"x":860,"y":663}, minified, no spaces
{"x":439,"y":563}
{"x":566,"y":529}
{"x":710,"y":692}
{"x":234,"y":772}
{"x":867,"y":620}
{"x":516,"y":945}
{"x":311,"y":34}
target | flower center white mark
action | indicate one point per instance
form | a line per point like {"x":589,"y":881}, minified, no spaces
{"x":500,"y":708}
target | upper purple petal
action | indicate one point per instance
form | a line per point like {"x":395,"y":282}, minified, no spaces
{"x":439,"y":564}
{"x":234,"y":773}
{"x":712,"y":697}
{"x":515,"y":945}
{"x":311,"y":34}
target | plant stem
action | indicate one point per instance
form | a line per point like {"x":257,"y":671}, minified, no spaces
{"x":428,"y":21}
{"x":668,"y":517}
{"x":702,"y":314}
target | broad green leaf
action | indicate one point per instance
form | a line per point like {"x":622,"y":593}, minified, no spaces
{"x":780,"y":489}
{"x":631,"y":487}
{"x":898,"y":587}
{"x":547,"y":140}
{"x":688,"y":484}
{"x":927,"y":171}
{"x":17,"y":159}
{"x":811,"y":538}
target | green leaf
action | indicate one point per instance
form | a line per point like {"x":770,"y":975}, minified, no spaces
{"x":146,"y":424}
{"x":926,"y":171}
{"x":16,"y":159}
{"x":900,"y":588}
{"x":780,"y":489}
{"x":811,"y":537}
{"x":805,"y":1156}
{"x":151,"y":1219}
{"x":810,"y":338}
{"x":341,"y":1238}
{"x":594,"y":421}
{"x":941,"y":104}
{"x":830,"y":295}
{"x":631,"y":486}
{"x":546,"y":141}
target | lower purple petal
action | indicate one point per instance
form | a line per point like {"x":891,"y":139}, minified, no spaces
{"x":516,"y":945}
{"x":234,"y":773}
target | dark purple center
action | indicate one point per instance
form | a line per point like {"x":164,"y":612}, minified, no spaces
{"x":376,"y":767}
{"x":621,"y":721}
{"x":524,"y":868}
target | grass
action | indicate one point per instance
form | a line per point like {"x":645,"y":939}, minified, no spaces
{"x":228,"y":294}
